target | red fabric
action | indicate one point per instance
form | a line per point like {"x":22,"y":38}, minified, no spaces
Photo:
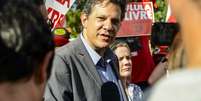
{"x":60,"y":40}
{"x":145,"y":0}
{"x":172,"y":19}
{"x":143,"y":63}
{"x":149,"y":0}
{"x":153,"y":1}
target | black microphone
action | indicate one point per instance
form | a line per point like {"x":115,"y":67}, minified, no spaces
{"x":110,"y":92}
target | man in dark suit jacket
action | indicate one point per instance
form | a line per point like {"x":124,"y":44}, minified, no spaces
{"x":77,"y":74}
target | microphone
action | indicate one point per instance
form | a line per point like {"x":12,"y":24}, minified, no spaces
{"x":110,"y":92}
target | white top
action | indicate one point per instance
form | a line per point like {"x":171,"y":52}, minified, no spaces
{"x":181,"y":85}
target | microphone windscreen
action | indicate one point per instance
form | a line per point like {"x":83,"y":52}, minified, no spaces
{"x":110,"y":92}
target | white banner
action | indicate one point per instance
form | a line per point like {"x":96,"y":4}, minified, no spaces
{"x":57,"y":10}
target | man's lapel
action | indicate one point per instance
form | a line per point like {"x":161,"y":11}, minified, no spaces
{"x":89,"y":66}
{"x":114,"y":64}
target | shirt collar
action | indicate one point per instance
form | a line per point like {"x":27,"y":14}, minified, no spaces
{"x":92,"y":53}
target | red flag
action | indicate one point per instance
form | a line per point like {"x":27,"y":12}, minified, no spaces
{"x":57,"y":10}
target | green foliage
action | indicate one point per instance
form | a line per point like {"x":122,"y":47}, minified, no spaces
{"x":160,"y":11}
{"x":73,"y":22}
{"x":73,"y":18}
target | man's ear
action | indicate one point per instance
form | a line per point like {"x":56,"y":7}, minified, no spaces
{"x":42,"y":76}
{"x":83,"y":18}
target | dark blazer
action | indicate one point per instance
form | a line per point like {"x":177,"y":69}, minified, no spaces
{"x":74,"y":76}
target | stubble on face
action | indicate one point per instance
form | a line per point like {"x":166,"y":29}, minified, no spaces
{"x":102,"y":26}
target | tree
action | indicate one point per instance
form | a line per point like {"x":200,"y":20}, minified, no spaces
{"x":73,"y":18}
{"x":160,"y":10}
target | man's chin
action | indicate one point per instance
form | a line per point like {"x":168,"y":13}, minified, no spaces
{"x":104,"y":45}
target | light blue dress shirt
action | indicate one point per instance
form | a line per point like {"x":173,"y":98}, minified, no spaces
{"x":106,"y":73}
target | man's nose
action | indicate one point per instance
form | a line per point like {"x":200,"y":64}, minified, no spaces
{"x":108,"y":25}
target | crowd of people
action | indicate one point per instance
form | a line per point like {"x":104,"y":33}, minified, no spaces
{"x":95,"y":66}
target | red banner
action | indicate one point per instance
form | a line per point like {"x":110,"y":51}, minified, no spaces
{"x":138,"y":19}
{"x":57,"y":10}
